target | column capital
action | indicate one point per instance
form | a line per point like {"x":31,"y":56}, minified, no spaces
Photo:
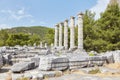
{"x":72,"y":17}
{"x":56,"y":25}
{"x":80,"y":15}
{"x":66,"y":20}
{"x":61,"y":23}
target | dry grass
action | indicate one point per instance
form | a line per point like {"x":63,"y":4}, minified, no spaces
{"x":113,"y":65}
{"x":67,"y":72}
{"x":94,"y":71}
{"x":58,"y":74}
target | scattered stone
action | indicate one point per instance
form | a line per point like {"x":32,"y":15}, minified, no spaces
{"x":22,"y":66}
{"x":36,"y":60}
{"x":110,"y":58}
{"x":78,"y":62}
{"x":53,"y":63}
{"x":48,"y":74}
{"x":45,"y":52}
{"x":1,"y":61}
{"x":96,"y":60}
{"x":7,"y":59}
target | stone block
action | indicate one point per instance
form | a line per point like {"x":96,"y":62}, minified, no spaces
{"x":36,"y":60}
{"x":22,"y":66}
{"x":48,"y":74}
{"x":53,"y":63}
{"x":96,"y":60}
{"x":45,"y":52}
{"x":110,"y":57}
{"x":1,"y":61}
{"x":78,"y":62}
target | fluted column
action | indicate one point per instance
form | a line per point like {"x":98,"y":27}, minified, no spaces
{"x":66,"y":34}
{"x":60,"y":34}
{"x":80,"y":31}
{"x":56,"y":36}
{"x":72,"y":32}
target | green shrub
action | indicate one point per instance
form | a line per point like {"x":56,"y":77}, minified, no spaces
{"x":94,"y":71}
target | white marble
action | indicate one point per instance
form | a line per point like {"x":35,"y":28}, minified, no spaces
{"x":60,"y":34}
{"x":66,"y":34}
{"x":72,"y":32}
{"x":56,"y":36}
{"x":80,"y":31}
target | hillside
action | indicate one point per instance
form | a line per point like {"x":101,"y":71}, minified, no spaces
{"x":39,"y":30}
{"x":26,"y":36}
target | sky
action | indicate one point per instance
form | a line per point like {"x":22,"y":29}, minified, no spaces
{"x":15,"y":13}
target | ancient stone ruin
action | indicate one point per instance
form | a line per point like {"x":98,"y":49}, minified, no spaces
{"x":59,"y":39}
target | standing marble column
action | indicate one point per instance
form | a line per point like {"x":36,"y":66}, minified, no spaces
{"x":56,"y":36}
{"x":60,"y":34}
{"x":66,"y":34}
{"x":80,"y":31}
{"x":72,"y":32}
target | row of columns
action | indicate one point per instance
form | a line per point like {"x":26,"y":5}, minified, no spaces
{"x":59,"y":37}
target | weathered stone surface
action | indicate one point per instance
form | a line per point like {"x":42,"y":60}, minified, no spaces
{"x":1,"y":61}
{"x":36,"y":60}
{"x":60,"y":34}
{"x":22,"y":66}
{"x":45,"y":63}
{"x":78,"y":62}
{"x":53,"y":63}
{"x":96,"y":60}
{"x":80,"y":31}
{"x":116,"y":55}
{"x":56,"y":36}
{"x":45,"y":52}
{"x":37,"y":77}
{"x":110,"y":57}
{"x":72,"y":32}
{"x":48,"y":74}
{"x":7,"y":59}
{"x":60,"y":64}
{"x":66,"y":34}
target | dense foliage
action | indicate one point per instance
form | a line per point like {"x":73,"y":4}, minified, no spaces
{"x":99,"y":35}
{"x":103,"y":34}
{"x":26,"y":36}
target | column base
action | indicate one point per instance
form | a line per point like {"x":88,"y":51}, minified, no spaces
{"x":73,"y":48}
{"x":80,"y":51}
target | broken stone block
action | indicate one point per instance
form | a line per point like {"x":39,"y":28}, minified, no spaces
{"x":96,"y":60}
{"x":110,"y":57}
{"x":60,"y":64}
{"x":1,"y":61}
{"x":77,"y":62}
{"x":37,"y":77}
{"x":48,"y":74}
{"x":22,"y":66}
{"x":36,"y":60}
{"x":53,"y":63}
{"x":116,"y":55}
{"x":45,"y":52}
{"x":7,"y":59}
